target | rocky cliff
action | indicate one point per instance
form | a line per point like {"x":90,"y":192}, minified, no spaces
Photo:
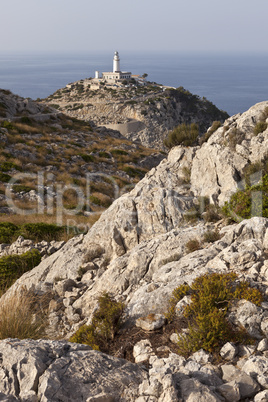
{"x":145,"y":114}
{"x":139,"y":252}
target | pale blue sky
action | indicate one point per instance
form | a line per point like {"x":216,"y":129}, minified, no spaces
{"x":134,"y":25}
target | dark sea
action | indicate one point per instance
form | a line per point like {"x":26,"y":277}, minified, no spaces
{"x":232,"y":82}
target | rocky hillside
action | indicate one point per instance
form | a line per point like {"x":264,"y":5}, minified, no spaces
{"x":163,"y":235}
{"x":64,"y":152}
{"x":142,"y":113}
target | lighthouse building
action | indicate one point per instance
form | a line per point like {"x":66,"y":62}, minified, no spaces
{"x":116,"y":75}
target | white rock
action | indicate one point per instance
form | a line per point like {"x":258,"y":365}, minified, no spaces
{"x":261,"y":396}
{"x":263,"y":345}
{"x":151,"y":322}
{"x":142,"y":351}
{"x":230,"y":391}
{"x":228,"y":351}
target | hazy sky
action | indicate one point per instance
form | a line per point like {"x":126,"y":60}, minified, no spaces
{"x":136,"y":25}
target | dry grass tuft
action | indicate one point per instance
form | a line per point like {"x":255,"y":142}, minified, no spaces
{"x":23,"y":316}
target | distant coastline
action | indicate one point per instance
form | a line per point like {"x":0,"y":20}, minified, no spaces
{"x":233,"y":83}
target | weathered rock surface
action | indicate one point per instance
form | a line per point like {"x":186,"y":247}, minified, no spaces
{"x":53,"y":370}
{"x":138,"y":252}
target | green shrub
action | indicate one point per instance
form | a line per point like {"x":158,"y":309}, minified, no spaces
{"x":5,"y":178}
{"x":249,"y":202}
{"x":118,"y":152}
{"x":7,"y":232}
{"x":7,"y":124}
{"x":183,"y":134}
{"x":87,"y":158}
{"x":103,"y":154}
{"x":215,"y":125}
{"x":177,"y":294}
{"x":211,"y":295}
{"x":13,"y":266}
{"x":41,"y":231}
{"x":26,"y":120}
{"x":106,"y":322}
{"x":17,"y":188}
{"x":260,"y":127}
{"x":133,"y":172}
{"x":6,"y":166}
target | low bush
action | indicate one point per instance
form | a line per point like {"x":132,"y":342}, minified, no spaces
{"x":208,"y":327}
{"x":134,"y":172}
{"x":118,"y":152}
{"x":87,"y":158}
{"x":106,"y":322}
{"x":215,"y":125}
{"x":42,"y":231}
{"x":103,"y":154}
{"x":13,"y":266}
{"x":183,"y":134}
{"x":253,"y":201}
{"x":17,"y":188}
{"x":260,"y":127}
{"x":7,"y":232}
{"x":6,"y":166}
{"x":5,"y":178}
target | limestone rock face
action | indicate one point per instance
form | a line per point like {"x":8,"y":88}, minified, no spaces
{"x":218,"y":165}
{"x":138,"y":252}
{"x":54,"y":370}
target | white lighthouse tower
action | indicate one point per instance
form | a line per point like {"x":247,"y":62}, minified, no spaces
{"x":116,"y":63}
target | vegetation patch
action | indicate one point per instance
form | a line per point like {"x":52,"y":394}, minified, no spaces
{"x":8,"y":232}
{"x":42,"y":231}
{"x":211,"y":235}
{"x":192,"y":245}
{"x":106,"y":322}
{"x":206,"y":315}
{"x":252,"y":201}
{"x":183,"y":134}
{"x":260,"y":127}
{"x":214,"y":127}
{"x":21,"y":317}
{"x":13,"y":266}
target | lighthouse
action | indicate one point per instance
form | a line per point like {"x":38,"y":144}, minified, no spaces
{"x":116,"y":63}
{"x":116,"y":75}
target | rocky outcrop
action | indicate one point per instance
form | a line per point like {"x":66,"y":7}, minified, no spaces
{"x":15,"y":106}
{"x":137,"y":248}
{"x":50,"y":371}
{"x":217,"y":167}
{"x":22,"y":245}
{"x":143,"y":114}
{"x":138,"y":252}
